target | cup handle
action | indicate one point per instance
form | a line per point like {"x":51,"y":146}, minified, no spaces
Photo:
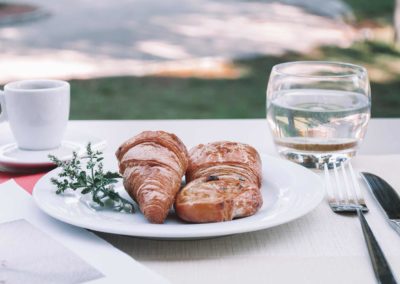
{"x":3,"y":113}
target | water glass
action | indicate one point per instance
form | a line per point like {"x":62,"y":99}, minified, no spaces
{"x":318,"y":111}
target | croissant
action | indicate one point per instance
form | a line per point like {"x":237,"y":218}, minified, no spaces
{"x":223,"y":183}
{"x":152,"y":164}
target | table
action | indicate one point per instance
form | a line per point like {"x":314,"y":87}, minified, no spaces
{"x":320,"y":247}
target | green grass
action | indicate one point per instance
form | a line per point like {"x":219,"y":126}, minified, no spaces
{"x":157,"y":97}
{"x":167,"y":98}
{"x":153,"y":97}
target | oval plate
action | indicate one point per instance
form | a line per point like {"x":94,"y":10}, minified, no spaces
{"x":289,"y":192}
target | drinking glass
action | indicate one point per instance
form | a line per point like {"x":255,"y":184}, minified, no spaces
{"x":318,"y":111}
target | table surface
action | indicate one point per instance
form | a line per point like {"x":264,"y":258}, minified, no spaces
{"x":382,"y":137}
{"x":320,"y":247}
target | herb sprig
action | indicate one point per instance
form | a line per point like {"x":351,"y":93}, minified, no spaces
{"x":89,"y":177}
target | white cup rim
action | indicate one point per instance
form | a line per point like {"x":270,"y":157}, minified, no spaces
{"x":17,"y":86}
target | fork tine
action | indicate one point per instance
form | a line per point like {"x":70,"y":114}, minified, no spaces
{"x":338,"y":191}
{"x":358,"y":193}
{"x":329,"y":190}
{"x":348,"y":186}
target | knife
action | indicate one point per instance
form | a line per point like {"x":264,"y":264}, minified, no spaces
{"x":387,"y":198}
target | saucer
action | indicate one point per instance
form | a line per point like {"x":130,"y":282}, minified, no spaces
{"x":14,"y":159}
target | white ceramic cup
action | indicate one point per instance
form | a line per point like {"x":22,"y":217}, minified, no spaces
{"x":37,"y":111}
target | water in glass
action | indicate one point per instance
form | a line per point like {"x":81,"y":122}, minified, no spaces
{"x":309,"y":123}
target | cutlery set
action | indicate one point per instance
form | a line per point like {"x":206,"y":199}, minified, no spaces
{"x":345,"y":197}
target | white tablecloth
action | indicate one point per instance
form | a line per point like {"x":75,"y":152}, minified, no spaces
{"x":321,"y":247}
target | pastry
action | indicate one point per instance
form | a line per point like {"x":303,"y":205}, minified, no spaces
{"x":152,"y":164}
{"x":223,"y":183}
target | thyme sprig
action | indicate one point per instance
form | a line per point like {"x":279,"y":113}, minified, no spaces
{"x":89,"y":177}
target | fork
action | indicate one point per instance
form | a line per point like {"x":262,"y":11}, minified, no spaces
{"x":347,"y":198}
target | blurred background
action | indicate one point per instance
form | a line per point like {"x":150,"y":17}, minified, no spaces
{"x":147,"y":59}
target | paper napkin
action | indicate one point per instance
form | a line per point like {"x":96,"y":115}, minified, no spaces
{"x":42,"y":243}
{"x":27,"y":255}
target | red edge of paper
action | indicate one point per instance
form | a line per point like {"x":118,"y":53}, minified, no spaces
{"x":27,"y":182}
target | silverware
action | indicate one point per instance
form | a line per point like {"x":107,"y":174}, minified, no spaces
{"x":346,"y":197}
{"x":387,"y":198}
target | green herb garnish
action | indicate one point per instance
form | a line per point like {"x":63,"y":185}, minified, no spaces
{"x":89,"y":177}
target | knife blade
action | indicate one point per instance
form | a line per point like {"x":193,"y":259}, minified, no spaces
{"x":387,"y":198}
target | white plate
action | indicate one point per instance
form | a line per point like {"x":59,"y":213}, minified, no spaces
{"x":13,"y":158}
{"x":289,"y":191}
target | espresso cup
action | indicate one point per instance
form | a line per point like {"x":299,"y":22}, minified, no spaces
{"x":37,"y":111}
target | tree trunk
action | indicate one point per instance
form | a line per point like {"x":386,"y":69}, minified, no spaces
{"x":396,"y":18}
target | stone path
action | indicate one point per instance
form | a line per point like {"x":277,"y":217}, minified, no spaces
{"x":91,"y":38}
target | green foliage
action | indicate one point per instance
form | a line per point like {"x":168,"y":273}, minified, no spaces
{"x":380,"y":11}
{"x":90,"y":178}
